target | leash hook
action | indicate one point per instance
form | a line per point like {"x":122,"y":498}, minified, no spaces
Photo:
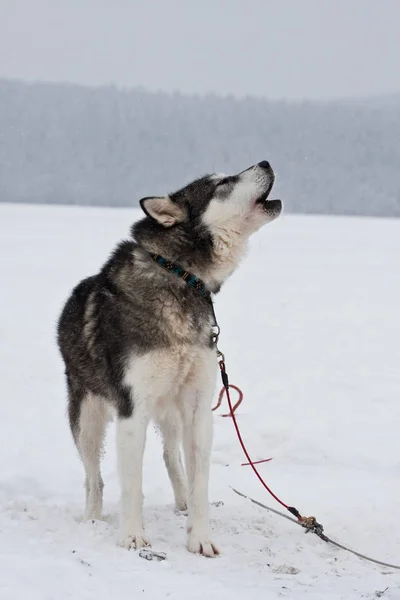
{"x":311,"y":525}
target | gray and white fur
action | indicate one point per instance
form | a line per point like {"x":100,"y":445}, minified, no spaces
{"x":135,"y":340}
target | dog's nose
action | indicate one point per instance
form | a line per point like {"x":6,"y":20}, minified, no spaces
{"x":264,"y":164}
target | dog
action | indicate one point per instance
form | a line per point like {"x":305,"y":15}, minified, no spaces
{"x":137,"y":343}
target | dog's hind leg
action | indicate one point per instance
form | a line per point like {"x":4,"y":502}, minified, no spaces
{"x":171,"y":430}
{"x":88,"y":425}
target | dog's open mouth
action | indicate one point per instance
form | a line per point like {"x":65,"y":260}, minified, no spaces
{"x":269,"y":205}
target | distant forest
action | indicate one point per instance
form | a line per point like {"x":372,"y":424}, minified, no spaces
{"x":67,"y":144}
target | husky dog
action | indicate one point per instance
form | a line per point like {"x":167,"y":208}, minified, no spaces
{"x":136,"y":341}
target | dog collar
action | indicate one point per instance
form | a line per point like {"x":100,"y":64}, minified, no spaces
{"x":191,"y":280}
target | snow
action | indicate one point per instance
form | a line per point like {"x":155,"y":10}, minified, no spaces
{"x":310,"y":332}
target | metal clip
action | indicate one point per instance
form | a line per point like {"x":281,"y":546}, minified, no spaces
{"x":220,"y":355}
{"x":215,"y":335}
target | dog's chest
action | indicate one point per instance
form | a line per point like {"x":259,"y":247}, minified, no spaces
{"x":160,"y":374}
{"x":178,"y":330}
{"x":182,"y":325}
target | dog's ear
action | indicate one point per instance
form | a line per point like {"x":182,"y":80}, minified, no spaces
{"x":163,"y":210}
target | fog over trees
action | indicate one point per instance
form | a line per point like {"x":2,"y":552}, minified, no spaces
{"x":68,"y":144}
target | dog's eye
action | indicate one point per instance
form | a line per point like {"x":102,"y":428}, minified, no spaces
{"x":223,"y":181}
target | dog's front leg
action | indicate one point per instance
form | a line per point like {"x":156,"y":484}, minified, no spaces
{"x":198,"y":433}
{"x":131,"y":439}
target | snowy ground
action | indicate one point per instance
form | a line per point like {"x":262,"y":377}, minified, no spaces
{"x":310,"y":327}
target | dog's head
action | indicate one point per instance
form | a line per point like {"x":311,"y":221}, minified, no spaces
{"x":207,"y":223}
{"x":219,"y":202}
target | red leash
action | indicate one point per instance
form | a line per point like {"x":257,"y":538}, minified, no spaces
{"x":229,"y":414}
{"x":225,"y":381}
{"x":310,"y":523}
{"x":238,"y":403}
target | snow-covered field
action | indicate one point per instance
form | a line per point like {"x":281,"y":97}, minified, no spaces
{"x":310,"y":328}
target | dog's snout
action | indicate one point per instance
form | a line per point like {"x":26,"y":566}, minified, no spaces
{"x":264,"y":164}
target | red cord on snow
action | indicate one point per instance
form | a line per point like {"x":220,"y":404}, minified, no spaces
{"x":255,"y":462}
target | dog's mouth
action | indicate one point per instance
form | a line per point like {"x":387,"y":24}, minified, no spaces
{"x":269,"y":206}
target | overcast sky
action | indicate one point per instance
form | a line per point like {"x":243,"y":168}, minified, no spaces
{"x":272,"y":48}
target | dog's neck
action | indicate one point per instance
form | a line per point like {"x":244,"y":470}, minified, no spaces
{"x":229,"y":248}
{"x":212,"y":259}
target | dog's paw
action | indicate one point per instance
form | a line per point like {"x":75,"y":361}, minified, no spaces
{"x":134,"y":542}
{"x":181,"y":506}
{"x":201,"y":544}
{"x":181,"y":498}
{"x":91,"y":516}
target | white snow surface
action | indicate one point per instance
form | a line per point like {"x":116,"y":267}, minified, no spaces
{"x":310,"y":330}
